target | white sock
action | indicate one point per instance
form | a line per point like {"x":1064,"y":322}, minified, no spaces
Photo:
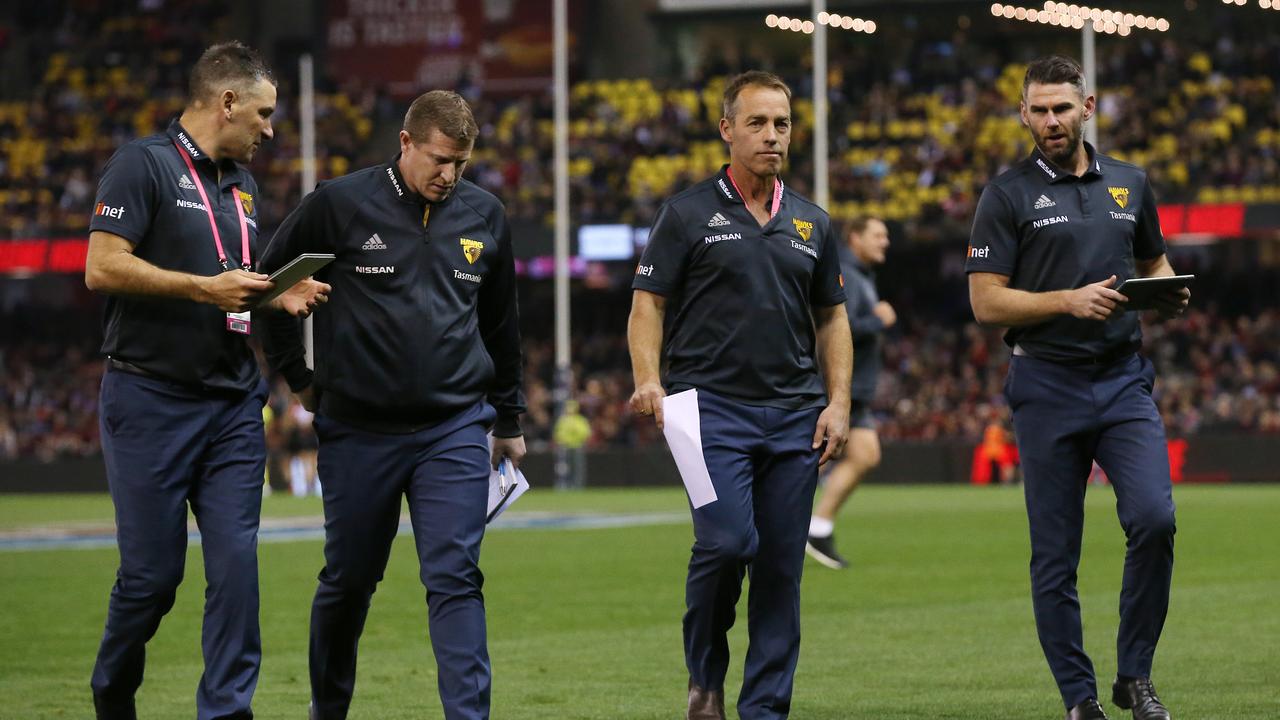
{"x":821,"y":527}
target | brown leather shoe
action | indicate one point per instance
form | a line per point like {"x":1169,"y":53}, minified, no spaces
{"x":705,"y":704}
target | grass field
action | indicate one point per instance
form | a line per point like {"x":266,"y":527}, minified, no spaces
{"x":934,"y":620}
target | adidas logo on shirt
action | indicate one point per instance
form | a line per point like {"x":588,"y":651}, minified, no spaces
{"x":718,"y":220}
{"x":185,"y":183}
{"x":374,"y":243}
{"x":1044,"y":202}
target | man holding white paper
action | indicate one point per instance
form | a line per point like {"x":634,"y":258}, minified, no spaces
{"x":417,"y":359}
{"x":757,"y":308}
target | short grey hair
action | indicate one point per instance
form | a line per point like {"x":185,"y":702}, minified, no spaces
{"x":751,"y":78}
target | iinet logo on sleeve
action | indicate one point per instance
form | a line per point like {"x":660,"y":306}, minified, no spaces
{"x":106,"y":210}
{"x":982,"y":252}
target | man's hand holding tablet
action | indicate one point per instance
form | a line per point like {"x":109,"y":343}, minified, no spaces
{"x":1168,"y":295}
{"x":295,"y":291}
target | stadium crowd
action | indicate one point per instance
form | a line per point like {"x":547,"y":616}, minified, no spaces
{"x":100,"y":78}
{"x":1217,"y":373}
{"x":50,"y":372}
{"x":917,"y":130}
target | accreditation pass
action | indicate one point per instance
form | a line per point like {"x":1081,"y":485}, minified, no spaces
{"x":238,"y":322}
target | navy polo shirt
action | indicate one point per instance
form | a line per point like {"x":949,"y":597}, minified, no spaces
{"x":865,"y":326}
{"x":1049,"y":230}
{"x":147,"y":196}
{"x":739,"y":296}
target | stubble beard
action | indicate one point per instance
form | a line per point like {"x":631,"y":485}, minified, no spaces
{"x":1064,"y":158}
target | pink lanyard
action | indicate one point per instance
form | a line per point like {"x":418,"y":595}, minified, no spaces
{"x":777,"y":193}
{"x":213,"y":225}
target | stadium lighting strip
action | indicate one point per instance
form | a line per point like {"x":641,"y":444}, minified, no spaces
{"x":840,"y":22}
{"x":1110,"y":22}
{"x":1264,"y":4}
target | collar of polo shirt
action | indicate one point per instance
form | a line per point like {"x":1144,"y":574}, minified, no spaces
{"x":1055,"y":174}
{"x":231,"y":173}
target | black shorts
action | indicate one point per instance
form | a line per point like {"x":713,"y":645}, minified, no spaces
{"x":860,"y":415}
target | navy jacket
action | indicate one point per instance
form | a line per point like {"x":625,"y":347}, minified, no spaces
{"x":422,"y":321}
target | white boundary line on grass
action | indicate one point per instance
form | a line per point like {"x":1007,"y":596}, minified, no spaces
{"x":273,"y":530}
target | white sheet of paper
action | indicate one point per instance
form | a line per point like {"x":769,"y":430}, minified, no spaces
{"x":506,"y":485}
{"x":683,"y":430}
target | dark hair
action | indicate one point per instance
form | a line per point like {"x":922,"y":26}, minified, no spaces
{"x":855,"y":226}
{"x":858,"y":225}
{"x":442,"y":110}
{"x":1054,"y":70}
{"x":229,"y":64}
{"x":750,"y":78}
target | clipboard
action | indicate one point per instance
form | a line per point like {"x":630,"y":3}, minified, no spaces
{"x":1142,"y":292}
{"x":294,"y":272}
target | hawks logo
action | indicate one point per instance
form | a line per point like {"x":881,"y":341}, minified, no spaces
{"x":803,"y":227}
{"x":1120,"y":195}
{"x":472,"y":249}
{"x":246,"y":202}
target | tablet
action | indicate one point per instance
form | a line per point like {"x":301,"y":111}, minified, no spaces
{"x":297,"y":269}
{"x":1142,"y":292}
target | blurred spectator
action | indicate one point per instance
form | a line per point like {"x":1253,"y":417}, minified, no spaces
{"x":995,"y":460}
{"x":571,"y":432}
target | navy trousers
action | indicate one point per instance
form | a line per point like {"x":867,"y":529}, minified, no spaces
{"x":167,"y":446}
{"x":764,"y":471}
{"x":1065,"y":417}
{"x":444,"y":473}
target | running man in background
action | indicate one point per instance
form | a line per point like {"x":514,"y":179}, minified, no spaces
{"x":869,"y":316}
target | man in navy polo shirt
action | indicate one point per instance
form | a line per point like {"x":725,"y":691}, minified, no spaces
{"x":170,"y":243}
{"x":1051,"y":239}
{"x":749,"y":276}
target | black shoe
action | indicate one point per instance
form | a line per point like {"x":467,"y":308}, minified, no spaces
{"x":823,"y":549}
{"x":110,"y":709}
{"x":1139,"y":695}
{"x":1087,"y":710}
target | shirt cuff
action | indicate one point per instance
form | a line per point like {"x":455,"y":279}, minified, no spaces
{"x":507,"y":426}
{"x":299,"y":378}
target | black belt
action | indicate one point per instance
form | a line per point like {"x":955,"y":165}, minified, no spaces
{"x":124,"y":366}
{"x":127,"y":367}
{"x":1107,"y":358}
